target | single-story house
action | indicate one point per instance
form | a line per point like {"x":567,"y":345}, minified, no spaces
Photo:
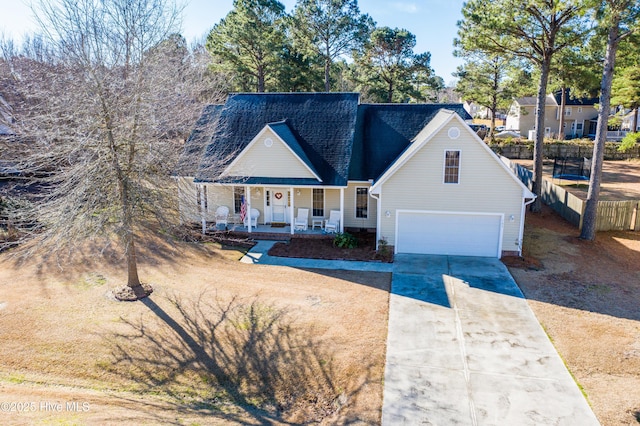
{"x":579,"y":116}
{"x":415,"y":174}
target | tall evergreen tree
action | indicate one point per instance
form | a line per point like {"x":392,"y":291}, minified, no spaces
{"x":575,"y":73}
{"x":389,"y":68}
{"x":329,"y":29}
{"x":625,"y":91}
{"x":483,"y":80}
{"x":619,"y":18}
{"x":250,"y":40}
{"x":534,"y":31}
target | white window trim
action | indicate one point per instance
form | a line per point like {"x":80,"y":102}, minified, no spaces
{"x":324,"y":201}
{"x":444,"y":166}
{"x":355,"y":205}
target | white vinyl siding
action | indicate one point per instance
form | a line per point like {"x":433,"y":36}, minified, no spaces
{"x":274,"y":161}
{"x":187,"y":199}
{"x":485,"y":186}
{"x":216,"y":196}
{"x":350,"y":220}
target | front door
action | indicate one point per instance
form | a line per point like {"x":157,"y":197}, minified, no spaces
{"x":276,"y":205}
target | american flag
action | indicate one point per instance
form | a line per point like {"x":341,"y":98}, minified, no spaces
{"x":243,"y":209}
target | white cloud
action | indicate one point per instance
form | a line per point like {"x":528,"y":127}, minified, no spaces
{"x":407,"y":7}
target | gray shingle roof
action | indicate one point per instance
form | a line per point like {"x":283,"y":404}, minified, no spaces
{"x":570,"y":100}
{"x":338,"y":138}
{"x":193,"y":154}
{"x":323,"y":125}
{"x":385,"y":131}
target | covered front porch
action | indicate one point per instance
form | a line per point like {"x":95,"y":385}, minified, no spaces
{"x":272,"y":209}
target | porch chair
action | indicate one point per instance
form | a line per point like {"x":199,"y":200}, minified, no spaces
{"x":333,"y":223}
{"x":255,"y":214}
{"x":301,"y":222}
{"x":222,"y":216}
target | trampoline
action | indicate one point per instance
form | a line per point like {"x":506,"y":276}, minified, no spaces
{"x":574,"y":169}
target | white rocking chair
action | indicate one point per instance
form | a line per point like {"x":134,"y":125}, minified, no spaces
{"x":254,"y":215}
{"x":333,"y":223}
{"x":301,"y":222}
{"x":222,"y":216}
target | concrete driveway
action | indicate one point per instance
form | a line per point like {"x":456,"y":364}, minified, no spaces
{"x":464,"y":348}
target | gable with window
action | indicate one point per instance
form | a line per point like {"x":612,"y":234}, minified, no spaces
{"x":452,"y":166}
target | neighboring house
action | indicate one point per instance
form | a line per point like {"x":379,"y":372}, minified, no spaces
{"x":580,"y":116}
{"x":416,"y":174}
{"x":478,"y":111}
{"x":628,"y":119}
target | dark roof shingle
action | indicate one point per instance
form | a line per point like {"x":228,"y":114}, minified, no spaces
{"x":385,"y":131}
{"x":336,"y":136}
{"x":323,"y":124}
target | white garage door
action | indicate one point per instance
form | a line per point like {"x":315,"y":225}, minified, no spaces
{"x":460,"y":234}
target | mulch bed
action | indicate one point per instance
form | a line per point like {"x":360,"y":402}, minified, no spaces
{"x":324,"y":249}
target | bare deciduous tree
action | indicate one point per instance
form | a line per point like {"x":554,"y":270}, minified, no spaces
{"x":105,"y":113}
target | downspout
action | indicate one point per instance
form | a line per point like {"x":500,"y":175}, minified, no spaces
{"x":521,"y":233}
{"x":378,"y":218}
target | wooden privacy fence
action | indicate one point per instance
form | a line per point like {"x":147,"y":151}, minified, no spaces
{"x":611,"y":216}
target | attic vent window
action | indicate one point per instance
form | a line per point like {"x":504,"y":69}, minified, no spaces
{"x":268,"y":142}
{"x":454,"y":133}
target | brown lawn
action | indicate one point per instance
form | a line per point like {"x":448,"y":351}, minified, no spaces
{"x":587,"y":297}
{"x":218,"y":342}
{"x":620,"y":180}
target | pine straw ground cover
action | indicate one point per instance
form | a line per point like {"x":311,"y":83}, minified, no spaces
{"x":218,"y":342}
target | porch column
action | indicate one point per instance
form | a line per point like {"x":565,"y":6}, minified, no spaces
{"x":341,"y":209}
{"x":248,"y":216}
{"x":292,"y":212}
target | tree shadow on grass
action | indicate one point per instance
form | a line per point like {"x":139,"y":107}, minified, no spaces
{"x":207,"y":354}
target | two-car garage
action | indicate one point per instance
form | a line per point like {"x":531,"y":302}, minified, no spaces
{"x":449,"y":233}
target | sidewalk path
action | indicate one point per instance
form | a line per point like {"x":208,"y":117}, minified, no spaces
{"x":258,"y":255}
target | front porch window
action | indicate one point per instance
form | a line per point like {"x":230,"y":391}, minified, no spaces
{"x":318,"y":202}
{"x":238,"y":193}
{"x":362,"y":203}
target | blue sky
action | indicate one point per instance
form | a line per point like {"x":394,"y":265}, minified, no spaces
{"x":432,"y":21}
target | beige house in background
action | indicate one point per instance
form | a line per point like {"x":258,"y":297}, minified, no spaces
{"x":415,"y":174}
{"x":580,"y":116}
